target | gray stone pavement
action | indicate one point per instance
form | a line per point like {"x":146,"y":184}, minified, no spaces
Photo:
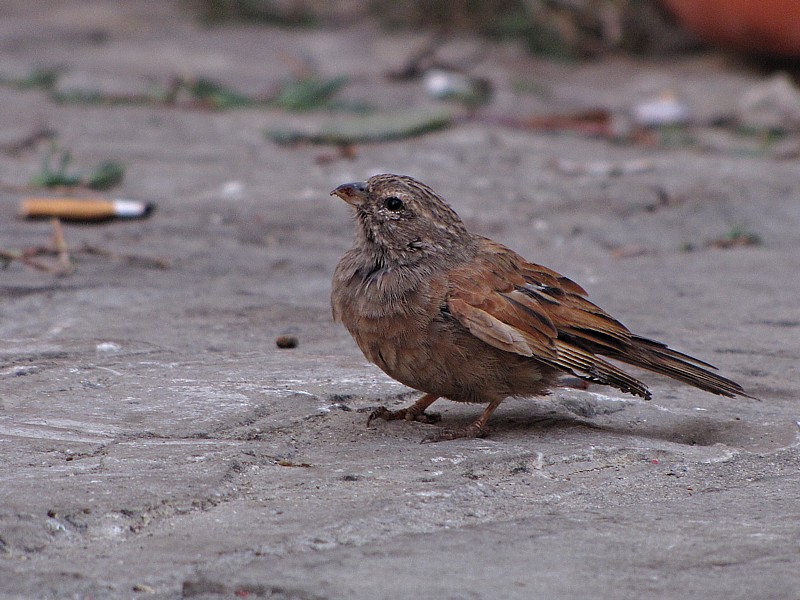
{"x":155,"y":443}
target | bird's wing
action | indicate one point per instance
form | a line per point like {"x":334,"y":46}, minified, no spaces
{"x":533,"y":311}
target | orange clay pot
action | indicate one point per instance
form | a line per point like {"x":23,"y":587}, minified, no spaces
{"x":762,"y":26}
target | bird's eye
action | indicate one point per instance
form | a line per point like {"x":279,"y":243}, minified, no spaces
{"x":393,"y":203}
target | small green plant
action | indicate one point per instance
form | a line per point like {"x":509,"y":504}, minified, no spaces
{"x":307,"y":93}
{"x":738,"y":236}
{"x":105,"y":176}
{"x":40,"y":78}
{"x":216,"y":95}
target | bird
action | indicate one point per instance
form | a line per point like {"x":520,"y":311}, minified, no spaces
{"x":456,"y":315}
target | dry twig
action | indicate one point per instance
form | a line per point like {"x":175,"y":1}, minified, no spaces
{"x":64,"y":264}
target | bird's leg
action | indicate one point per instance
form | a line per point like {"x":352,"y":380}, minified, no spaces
{"x":476,"y":429}
{"x":415,"y":412}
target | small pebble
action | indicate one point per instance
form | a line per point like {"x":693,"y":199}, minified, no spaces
{"x":108,"y":347}
{"x":286,"y":341}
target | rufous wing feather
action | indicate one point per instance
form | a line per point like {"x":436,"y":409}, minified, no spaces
{"x":533,"y":311}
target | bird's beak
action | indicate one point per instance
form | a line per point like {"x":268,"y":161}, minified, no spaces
{"x":353,"y":193}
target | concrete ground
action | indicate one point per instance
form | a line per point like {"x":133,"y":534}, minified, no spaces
{"x":155,"y":443}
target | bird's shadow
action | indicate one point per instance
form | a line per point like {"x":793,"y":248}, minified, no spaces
{"x":561,"y":420}
{"x":571,"y":414}
{"x":687,"y":431}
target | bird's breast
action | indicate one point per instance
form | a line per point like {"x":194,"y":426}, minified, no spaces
{"x":389,"y":314}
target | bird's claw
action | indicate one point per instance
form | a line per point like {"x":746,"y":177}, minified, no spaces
{"x":403,"y":413}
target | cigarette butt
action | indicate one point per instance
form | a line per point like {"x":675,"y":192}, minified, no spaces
{"x":84,"y":209}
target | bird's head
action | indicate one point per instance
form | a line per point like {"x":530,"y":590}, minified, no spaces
{"x":404,"y":220}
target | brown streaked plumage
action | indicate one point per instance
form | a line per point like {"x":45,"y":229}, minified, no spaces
{"x":459,"y":316}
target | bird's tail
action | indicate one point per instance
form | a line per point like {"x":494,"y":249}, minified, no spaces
{"x":658,"y":357}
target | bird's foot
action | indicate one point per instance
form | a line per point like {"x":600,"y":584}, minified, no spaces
{"x":407,"y":414}
{"x":474,"y":430}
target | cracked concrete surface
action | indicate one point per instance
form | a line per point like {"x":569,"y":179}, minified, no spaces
{"x":156,"y":443}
